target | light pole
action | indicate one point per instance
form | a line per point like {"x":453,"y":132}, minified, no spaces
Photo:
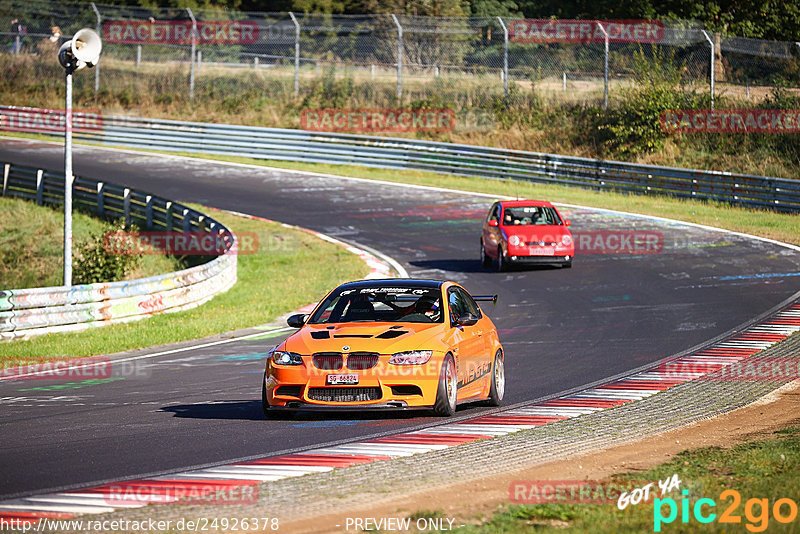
{"x":83,"y":50}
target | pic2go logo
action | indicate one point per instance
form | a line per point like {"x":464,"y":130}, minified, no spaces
{"x":756,"y":511}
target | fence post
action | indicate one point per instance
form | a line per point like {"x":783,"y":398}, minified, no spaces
{"x":99,"y":32}
{"x":138,"y":55}
{"x":6,"y":169}
{"x":126,"y":207}
{"x":199,"y":59}
{"x":564,"y":86}
{"x":168,"y":216}
{"x":100,"y":198}
{"x":39,"y":186}
{"x":187,"y":226}
{"x":194,"y":48}
{"x":399,"y":57}
{"x":296,"y":54}
{"x":148,"y":211}
{"x":605,"y":66}
{"x":711,"y":43}
{"x":505,"y":55}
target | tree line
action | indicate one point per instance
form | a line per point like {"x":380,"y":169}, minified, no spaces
{"x":763,"y":19}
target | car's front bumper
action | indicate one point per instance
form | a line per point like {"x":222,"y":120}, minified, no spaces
{"x":305,"y":406}
{"x":539,"y":260}
{"x":383,"y":387}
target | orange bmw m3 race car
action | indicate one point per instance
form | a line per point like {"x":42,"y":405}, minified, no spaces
{"x":396,"y":344}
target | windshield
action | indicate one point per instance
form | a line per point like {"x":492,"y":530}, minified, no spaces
{"x":527,"y":215}
{"x":384,"y":304}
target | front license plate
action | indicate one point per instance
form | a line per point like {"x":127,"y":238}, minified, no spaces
{"x":342,"y":379}
{"x":543,"y":251}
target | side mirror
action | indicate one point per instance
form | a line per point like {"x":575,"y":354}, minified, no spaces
{"x":466,"y":319}
{"x":494,"y":222}
{"x":297,"y":320}
{"x":567,"y":222}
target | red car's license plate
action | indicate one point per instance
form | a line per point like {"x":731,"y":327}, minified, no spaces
{"x":543,"y":251}
{"x":342,"y":379}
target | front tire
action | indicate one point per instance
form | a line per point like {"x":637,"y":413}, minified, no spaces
{"x":502,"y":264}
{"x":448,"y":388}
{"x":498,"y":387}
{"x":486,"y":261}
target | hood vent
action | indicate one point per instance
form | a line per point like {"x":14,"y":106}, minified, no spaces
{"x":391,"y":334}
{"x":321,"y":335}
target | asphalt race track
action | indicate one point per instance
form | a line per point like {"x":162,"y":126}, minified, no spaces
{"x":561,"y":327}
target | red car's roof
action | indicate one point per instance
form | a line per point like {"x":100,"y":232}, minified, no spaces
{"x":523,"y":203}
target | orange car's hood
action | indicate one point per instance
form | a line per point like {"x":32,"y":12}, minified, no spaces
{"x":364,"y":337}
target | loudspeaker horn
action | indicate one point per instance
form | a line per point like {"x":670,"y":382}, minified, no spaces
{"x":83,"y":50}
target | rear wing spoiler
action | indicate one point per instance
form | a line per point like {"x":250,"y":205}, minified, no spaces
{"x":485,"y":298}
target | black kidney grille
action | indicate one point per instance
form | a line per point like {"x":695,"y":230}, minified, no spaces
{"x":343,"y":394}
{"x":328,"y":361}
{"x":359,"y":361}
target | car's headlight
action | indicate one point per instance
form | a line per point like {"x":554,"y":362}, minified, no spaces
{"x":282,"y":357}
{"x":514,"y":240}
{"x":414,"y":357}
{"x":566,"y":240}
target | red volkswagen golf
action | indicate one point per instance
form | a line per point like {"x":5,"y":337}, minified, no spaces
{"x":526,"y":232}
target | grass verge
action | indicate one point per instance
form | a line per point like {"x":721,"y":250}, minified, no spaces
{"x":31,"y":245}
{"x":291,"y":268}
{"x":766,"y":470}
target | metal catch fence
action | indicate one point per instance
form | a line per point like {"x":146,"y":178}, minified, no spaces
{"x":217,"y":53}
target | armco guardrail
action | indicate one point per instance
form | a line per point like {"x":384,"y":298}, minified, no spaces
{"x":398,"y":153}
{"x":25,"y":312}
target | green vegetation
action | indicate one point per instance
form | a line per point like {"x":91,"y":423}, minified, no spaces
{"x":95,"y":263}
{"x":31,"y":247}
{"x":290,"y":269}
{"x":759,"y":469}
